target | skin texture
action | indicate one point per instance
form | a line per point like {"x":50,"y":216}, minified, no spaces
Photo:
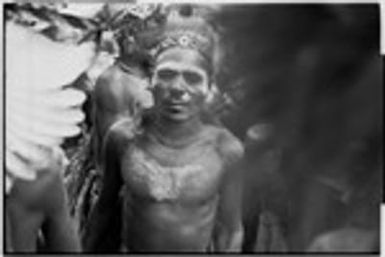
{"x":180,"y":178}
{"x":40,"y":205}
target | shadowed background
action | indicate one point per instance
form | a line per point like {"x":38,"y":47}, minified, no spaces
{"x":313,"y":73}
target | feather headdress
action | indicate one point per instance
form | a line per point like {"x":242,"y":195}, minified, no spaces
{"x":40,"y":112}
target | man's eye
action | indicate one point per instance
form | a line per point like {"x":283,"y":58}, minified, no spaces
{"x":167,"y":74}
{"x":192,"y":78}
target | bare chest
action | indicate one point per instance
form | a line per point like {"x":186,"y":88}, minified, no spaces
{"x":188,"y":175}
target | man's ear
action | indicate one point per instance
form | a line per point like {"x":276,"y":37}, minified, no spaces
{"x":212,"y":91}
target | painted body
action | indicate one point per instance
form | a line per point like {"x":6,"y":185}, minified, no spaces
{"x":179,"y":179}
{"x":172,"y":193}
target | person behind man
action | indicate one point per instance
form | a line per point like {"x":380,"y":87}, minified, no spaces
{"x":179,"y":178}
{"x":119,"y":92}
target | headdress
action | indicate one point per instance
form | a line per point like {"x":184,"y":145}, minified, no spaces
{"x":185,"y":27}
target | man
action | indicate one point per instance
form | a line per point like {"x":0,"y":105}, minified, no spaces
{"x":179,"y":178}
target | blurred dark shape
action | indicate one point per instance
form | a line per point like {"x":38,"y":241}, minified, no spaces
{"x":264,"y":197}
{"x":314,"y":73}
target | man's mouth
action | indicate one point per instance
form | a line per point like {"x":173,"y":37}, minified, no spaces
{"x":176,"y":106}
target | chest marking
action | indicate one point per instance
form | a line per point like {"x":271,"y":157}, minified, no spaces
{"x":162,"y":182}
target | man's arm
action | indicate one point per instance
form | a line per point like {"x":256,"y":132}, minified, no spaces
{"x":108,"y":202}
{"x":59,"y":228}
{"x":228,"y":233}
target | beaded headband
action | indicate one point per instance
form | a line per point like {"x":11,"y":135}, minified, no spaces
{"x":187,"y":31}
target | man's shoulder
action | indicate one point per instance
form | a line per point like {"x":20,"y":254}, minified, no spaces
{"x":228,"y":145}
{"x":111,"y":74}
{"x":121,"y":132}
{"x":33,"y":194}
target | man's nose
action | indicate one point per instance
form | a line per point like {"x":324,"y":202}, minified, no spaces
{"x":178,"y":86}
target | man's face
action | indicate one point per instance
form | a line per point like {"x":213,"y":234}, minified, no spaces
{"x":180,"y":84}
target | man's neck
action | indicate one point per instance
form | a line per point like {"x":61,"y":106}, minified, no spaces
{"x":176,"y":134}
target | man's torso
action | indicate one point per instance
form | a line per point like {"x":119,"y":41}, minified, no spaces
{"x":170,"y":195}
